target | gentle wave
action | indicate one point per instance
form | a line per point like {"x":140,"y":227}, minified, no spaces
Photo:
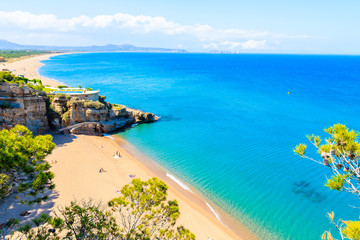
{"x":183,"y":185}
{"x":215,"y":213}
{"x":229,"y":126}
{"x":108,"y":136}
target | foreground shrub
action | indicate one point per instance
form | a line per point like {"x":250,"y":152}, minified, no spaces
{"x":22,"y":162}
{"x":340,"y":153}
{"x":141,"y":212}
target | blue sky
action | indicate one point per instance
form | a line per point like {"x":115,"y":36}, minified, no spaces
{"x":257,"y":26}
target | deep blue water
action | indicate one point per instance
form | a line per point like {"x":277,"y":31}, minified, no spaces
{"x":229,"y":124}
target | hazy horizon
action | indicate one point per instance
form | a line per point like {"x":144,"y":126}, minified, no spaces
{"x":323,"y":27}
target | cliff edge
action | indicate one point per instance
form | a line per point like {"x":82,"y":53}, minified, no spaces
{"x":41,"y":112}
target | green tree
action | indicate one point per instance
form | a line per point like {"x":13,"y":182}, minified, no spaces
{"x":85,"y":220}
{"x":141,"y":213}
{"x":145,"y":213}
{"x":23,"y":171}
{"x":7,"y":77}
{"x":340,"y":152}
{"x":22,"y":162}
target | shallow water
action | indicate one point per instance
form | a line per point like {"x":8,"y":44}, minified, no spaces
{"x":229,"y":124}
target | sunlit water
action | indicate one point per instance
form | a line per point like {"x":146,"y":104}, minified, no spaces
{"x":229,"y":124}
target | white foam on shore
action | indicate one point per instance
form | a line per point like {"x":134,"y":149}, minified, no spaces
{"x":108,"y":136}
{"x":181,"y":184}
{"x":215,"y":213}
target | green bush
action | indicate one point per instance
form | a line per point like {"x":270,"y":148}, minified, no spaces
{"x":22,"y":157}
{"x":5,"y":185}
{"x":117,"y":106}
{"x":8,"y":77}
{"x":94,"y":104}
{"x":66,"y":117}
{"x":47,"y":90}
{"x":35,"y":87}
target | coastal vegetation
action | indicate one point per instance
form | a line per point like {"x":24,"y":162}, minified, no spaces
{"x":340,"y":152}
{"x":22,"y":164}
{"x":152,"y":216}
{"x":94,"y":104}
{"x":117,"y":106}
{"x":8,"y":54}
{"x":24,"y":174}
{"x":141,"y":212}
{"x":8,"y":77}
{"x":41,"y":108}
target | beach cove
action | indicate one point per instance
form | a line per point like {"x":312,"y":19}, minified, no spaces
{"x":77,"y":160}
{"x":228,"y":125}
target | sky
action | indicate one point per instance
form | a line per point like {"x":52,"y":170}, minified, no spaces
{"x":256,"y":26}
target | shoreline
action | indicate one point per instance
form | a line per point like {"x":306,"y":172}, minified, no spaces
{"x":190,"y":194}
{"x":191,"y":203}
{"x":29,"y":68}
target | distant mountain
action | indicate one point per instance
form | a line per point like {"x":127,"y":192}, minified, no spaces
{"x":6,"y":45}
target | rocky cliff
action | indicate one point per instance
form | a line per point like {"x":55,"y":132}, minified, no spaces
{"x":94,"y":117}
{"x":23,"y":105}
{"x":39,"y":112}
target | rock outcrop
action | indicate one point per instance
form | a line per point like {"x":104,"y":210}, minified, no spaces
{"x":23,"y":105}
{"x":38,"y":112}
{"x":97,"y":117}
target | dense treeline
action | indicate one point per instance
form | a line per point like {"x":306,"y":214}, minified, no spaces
{"x":19,"y":53}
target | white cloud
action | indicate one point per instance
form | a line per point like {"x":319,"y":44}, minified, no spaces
{"x":252,"y":44}
{"x":230,"y":44}
{"x":209,"y":36}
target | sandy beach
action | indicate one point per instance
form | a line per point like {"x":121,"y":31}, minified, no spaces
{"x":76,"y":162}
{"x":28,"y":67}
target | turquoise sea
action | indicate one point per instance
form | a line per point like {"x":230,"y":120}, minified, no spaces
{"x":229,"y":124}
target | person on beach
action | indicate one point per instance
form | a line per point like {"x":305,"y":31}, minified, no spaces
{"x":117,"y":154}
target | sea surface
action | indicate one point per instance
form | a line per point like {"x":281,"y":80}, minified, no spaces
{"x":229,"y":124}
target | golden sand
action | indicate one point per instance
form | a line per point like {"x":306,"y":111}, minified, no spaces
{"x":28,"y":67}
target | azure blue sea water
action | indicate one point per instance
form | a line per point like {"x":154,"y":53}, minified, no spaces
{"x":229,"y":124}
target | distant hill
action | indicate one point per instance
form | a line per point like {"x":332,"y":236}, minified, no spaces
{"x":6,"y":45}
